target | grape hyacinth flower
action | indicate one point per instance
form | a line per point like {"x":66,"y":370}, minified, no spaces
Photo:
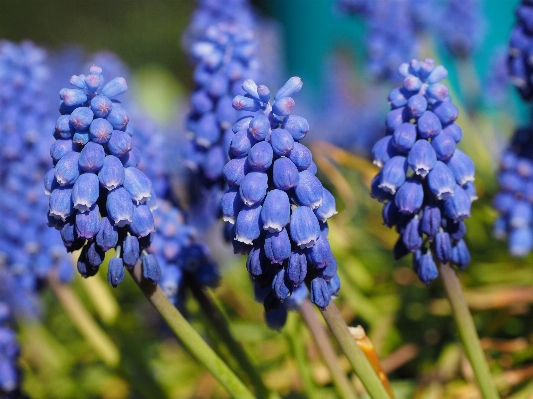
{"x":425,"y":182}
{"x":514,"y":202}
{"x":392,"y":27}
{"x":182,"y":257}
{"x":99,"y":199}
{"x":27,"y":249}
{"x":9,"y":353}
{"x":520,"y":63}
{"x":461,"y":26}
{"x":278,"y":207}
{"x":225,"y":56}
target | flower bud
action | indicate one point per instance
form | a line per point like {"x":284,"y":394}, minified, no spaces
{"x":458,"y":207}
{"x":319,"y":293}
{"x":151,"y":270}
{"x":130,"y":251}
{"x":115,"y":272}
{"x":520,"y":241}
{"x":118,"y":117}
{"x":101,"y":105}
{"x":81,"y":118}
{"x":115,"y":87}
{"x":304,"y":227}
{"x":309,"y":190}
{"x":412,"y":236}
{"x":281,"y":285}
{"x":426,"y":269}
{"x":85,"y":192}
{"x":231,"y":204}
{"x":277,"y":246}
{"x":285,"y":174}
{"x":61,"y":206}
{"x":253,"y":188}
{"x":441,"y":181}
{"x":248,"y":225}
{"x":107,"y":236}
{"x":444,"y":146}
{"x":319,"y":254}
{"x":260,"y":156}
{"x":462,"y":167}
{"x":291,"y":87}
{"x":296,"y":125}
{"x":428,"y":125}
{"x":410,"y":197}
{"x":66,"y":169}
{"x":235,"y":170}
{"x":92,"y":157}
{"x":460,"y":254}
{"x":382,"y":151}
{"x":422,"y":157}
{"x":112,"y":173}
{"x":137,"y":185}
{"x":119,"y":207}
{"x":327,"y":208}
{"x":275,"y":213}
{"x":297,"y":267}
{"x":431,"y":220}
{"x":417,"y":105}
{"x":119,"y":144}
{"x":281,"y":141}
{"x":142,"y":222}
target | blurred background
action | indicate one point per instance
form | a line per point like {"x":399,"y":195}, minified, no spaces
{"x":346,"y":103}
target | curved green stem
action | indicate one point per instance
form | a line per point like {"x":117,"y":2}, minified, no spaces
{"x":355,"y":355}
{"x":340,"y":380}
{"x":293,"y":332}
{"x":221,"y":328}
{"x":189,"y":337}
{"x":467,"y":332}
{"x":85,"y":323}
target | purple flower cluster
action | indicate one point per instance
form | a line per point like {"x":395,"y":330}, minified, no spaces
{"x":425,"y":181}
{"x":461,"y":26}
{"x":391,"y":38}
{"x":9,"y":353}
{"x":520,"y":62}
{"x":99,"y":199}
{"x":277,"y":205}
{"x":27,"y":249}
{"x":182,"y":257}
{"x":226,"y":57}
{"x":514,"y":202}
{"x":212,"y":12}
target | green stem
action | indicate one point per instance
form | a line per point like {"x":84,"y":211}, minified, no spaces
{"x":467,"y":332}
{"x":85,"y":323}
{"x":221,"y":328}
{"x":341,"y":382}
{"x":293,"y":332}
{"x":355,"y":355}
{"x":189,"y":337}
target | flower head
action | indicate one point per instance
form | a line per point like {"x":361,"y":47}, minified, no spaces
{"x":514,"y":201}
{"x":275,"y":202}
{"x":99,"y":199}
{"x":518,"y":62}
{"x":425,"y":182}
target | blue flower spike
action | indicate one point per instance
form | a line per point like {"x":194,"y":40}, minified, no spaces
{"x":98,"y":199}
{"x":514,"y":201}
{"x":427,"y":179}
{"x":282,"y":203}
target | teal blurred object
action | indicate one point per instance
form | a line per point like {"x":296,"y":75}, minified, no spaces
{"x":313,"y":29}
